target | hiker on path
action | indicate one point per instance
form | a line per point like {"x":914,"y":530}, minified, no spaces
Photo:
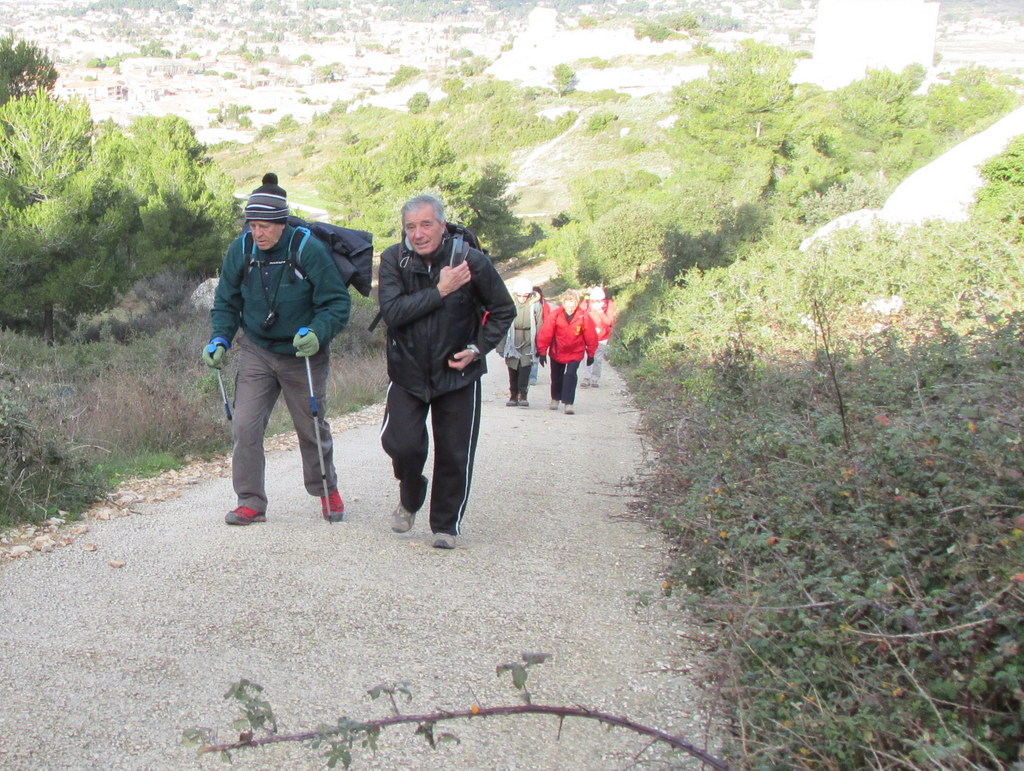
{"x":545,"y":310}
{"x":602,"y":312}
{"x":568,"y":335}
{"x":520,"y":349}
{"x":434,"y":291}
{"x":288,"y":313}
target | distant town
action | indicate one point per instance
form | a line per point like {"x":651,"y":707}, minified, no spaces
{"x":230,"y":73}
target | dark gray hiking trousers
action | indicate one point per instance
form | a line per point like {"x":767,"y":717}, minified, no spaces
{"x":262,"y":377}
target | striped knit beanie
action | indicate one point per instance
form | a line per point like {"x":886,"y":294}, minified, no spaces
{"x":268,"y":202}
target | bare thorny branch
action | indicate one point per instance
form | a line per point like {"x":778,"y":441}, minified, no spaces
{"x":247,"y":740}
{"x":342,"y":737}
{"x":824,"y":328}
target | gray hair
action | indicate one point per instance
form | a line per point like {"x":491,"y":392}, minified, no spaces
{"x":424,"y":200}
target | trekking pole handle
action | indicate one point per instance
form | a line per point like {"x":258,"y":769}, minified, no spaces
{"x":211,"y":348}
{"x":303,"y":331}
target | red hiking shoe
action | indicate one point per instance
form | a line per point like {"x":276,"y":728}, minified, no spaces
{"x":243,"y":515}
{"x":336,"y":510}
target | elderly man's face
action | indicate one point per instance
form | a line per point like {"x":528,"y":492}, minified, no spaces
{"x":424,"y":231}
{"x":266,"y":234}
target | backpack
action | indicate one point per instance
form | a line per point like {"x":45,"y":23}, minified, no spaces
{"x":462,"y":239}
{"x":352,"y":251}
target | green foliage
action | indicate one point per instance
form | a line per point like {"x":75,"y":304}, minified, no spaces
{"x":968,"y":103}
{"x":418,"y":102}
{"x":654,"y":31}
{"x":682,"y":21}
{"x":155,"y":48}
{"x":881,"y":106}
{"x":839,"y":443}
{"x":600,"y":120}
{"x":708,"y":249}
{"x":63,"y":245}
{"x":371,"y":179}
{"x":857,"y":193}
{"x":24,"y":69}
{"x":403,"y":75}
{"x":864,"y":596}
{"x":185,"y":207}
{"x":626,"y":242}
{"x":743,"y":116}
{"x":1002,"y":198}
{"x":257,"y":714}
{"x":565,"y":79}
{"x":474,"y":66}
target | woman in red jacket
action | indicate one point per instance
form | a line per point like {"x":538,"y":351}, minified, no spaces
{"x":568,"y":335}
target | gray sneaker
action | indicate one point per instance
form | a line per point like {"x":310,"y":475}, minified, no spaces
{"x":444,"y":541}
{"x":553,"y":405}
{"x":401,"y":520}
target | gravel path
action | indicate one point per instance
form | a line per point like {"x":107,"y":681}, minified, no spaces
{"x":103,"y":666}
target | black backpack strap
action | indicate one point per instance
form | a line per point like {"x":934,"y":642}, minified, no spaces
{"x":248,"y":255}
{"x":403,"y":262}
{"x":295,"y":252}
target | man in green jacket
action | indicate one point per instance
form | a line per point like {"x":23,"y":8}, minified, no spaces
{"x":289,"y":303}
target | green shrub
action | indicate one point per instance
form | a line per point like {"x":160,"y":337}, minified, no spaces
{"x":600,"y":120}
{"x":418,"y":102}
{"x":403,"y":75}
{"x":862,"y":568}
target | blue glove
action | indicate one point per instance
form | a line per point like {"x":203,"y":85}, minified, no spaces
{"x":213,"y":355}
{"x":306,"y":342}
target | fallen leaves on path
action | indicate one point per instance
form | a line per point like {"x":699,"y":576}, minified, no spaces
{"x":56,"y":532}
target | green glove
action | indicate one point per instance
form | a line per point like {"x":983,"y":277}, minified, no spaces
{"x":306,"y":342}
{"x":213,"y":355}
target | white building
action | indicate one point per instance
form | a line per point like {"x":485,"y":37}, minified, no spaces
{"x":853,"y":36}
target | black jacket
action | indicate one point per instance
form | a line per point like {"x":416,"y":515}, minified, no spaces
{"x":424,"y":329}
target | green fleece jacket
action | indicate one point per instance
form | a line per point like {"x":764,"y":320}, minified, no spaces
{"x":313,"y":296}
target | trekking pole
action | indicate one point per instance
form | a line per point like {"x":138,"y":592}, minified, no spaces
{"x":220,"y":379}
{"x":316,"y":428}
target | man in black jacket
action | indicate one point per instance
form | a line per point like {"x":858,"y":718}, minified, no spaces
{"x":434,"y":295}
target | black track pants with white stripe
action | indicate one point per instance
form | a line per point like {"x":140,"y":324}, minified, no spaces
{"x":455,"y":425}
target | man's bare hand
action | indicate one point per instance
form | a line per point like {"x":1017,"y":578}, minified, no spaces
{"x":462,"y":359}
{"x":453,"y":278}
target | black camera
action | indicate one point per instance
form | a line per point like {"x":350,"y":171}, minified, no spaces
{"x":269,"y":321}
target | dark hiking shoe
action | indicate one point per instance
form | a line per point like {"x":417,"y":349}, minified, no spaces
{"x":523,"y":401}
{"x":333,"y":508}
{"x":401,"y":520}
{"x":512,"y":403}
{"x":243,"y":515}
{"x":569,"y":410}
{"x":444,"y":541}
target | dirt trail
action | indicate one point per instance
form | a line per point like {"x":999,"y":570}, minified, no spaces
{"x":103,"y":667}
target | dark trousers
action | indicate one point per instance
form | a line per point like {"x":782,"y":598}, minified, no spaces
{"x":518,"y":381}
{"x":455,"y":425}
{"x":563,"y":381}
